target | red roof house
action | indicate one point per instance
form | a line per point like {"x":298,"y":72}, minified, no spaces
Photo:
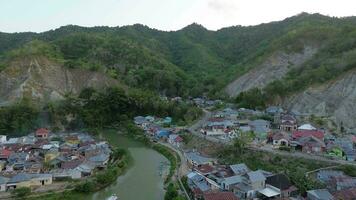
{"x":220,"y":196}
{"x":4,"y":154}
{"x":178,"y":139}
{"x":42,"y":133}
{"x":307,"y":133}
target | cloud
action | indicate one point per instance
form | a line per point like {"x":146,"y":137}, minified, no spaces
{"x":223,"y":6}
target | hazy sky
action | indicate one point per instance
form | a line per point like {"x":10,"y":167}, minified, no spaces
{"x":43,"y":15}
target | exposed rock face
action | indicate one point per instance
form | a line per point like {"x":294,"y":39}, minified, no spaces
{"x":275,"y":67}
{"x":43,"y":80}
{"x":337,"y":100}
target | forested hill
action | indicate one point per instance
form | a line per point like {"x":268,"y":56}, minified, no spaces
{"x":195,"y":61}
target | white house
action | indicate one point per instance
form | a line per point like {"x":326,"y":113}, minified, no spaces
{"x":175,"y":140}
{"x":3,"y":182}
{"x":2,"y":139}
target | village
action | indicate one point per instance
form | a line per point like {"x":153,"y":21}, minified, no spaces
{"x":273,"y":130}
{"x":43,"y":158}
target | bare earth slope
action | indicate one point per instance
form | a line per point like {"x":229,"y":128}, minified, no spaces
{"x":42,"y":80}
{"x":273,"y":68}
{"x":336,"y":100}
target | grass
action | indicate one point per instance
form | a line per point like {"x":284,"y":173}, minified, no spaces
{"x":171,"y":156}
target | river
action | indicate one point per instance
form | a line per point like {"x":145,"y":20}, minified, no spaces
{"x":143,"y":180}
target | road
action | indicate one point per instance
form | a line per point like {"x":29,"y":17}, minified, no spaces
{"x":301,"y":155}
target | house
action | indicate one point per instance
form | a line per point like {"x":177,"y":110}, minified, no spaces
{"x":274,"y":110}
{"x":69,"y":173}
{"x":307,"y":127}
{"x":348,"y":194}
{"x":204,"y":169}
{"x":195,"y":159}
{"x":325,"y":176}
{"x":100,"y":160}
{"x":269,"y":192}
{"x":220,"y":196}
{"x":306,"y":133}
{"x":240,"y":169}
{"x":2,"y":139}
{"x":175,"y":140}
{"x":288,"y":123}
{"x":198,"y":184}
{"x":230,"y":113}
{"x":280,"y":139}
{"x":244,"y":191}
{"x":29,"y":180}
{"x":282,"y":184}
{"x":4,"y":154}
{"x":150,"y":118}
{"x":219,"y":127}
{"x":167,"y":120}
{"x":261,"y":128}
{"x":139,"y":120}
{"x":2,"y":165}
{"x":163,"y":133}
{"x":72,"y":139}
{"x":228,"y":182}
{"x":21,"y":157}
{"x":309,"y":144}
{"x":3,"y":182}
{"x":71,"y":164}
{"x":86,"y":169}
{"x":51,"y":154}
{"x":42,"y":133}
{"x":320,"y":194}
{"x":256,"y":180}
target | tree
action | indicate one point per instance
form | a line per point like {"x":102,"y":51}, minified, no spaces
{"x":171,"y":193}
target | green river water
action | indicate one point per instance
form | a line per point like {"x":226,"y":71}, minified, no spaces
{"x":143,"y":180}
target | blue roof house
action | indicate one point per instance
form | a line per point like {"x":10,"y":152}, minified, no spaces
{"x":162,"y":133}
{"x":167,"y":120}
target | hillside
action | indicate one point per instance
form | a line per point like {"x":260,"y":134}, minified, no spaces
{"x":282,"y":59}
{"x":335,"y":100}
{"x":42,"y":78}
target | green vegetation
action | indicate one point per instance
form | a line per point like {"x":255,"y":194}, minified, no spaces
{"x":172,"y":193}
{"x":294,"y":168}
{"x":195,"y":61}
{"x":116,"y":108}
{"x":19,"y":118}
{"x":21,"y":193}
{"x":171,"y":156}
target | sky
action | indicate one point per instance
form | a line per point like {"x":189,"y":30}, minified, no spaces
{"x":44,"y":15}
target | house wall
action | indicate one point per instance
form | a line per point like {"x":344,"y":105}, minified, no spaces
{"x":279,"y":142}
{"x":3,"y":187}
{"x":38,"y":181}
{"x":258,"y":185}
{"x":215,"y":132}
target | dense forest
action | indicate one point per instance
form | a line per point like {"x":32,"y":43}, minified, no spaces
{"x":195,"y":61}
{"x":192,"y":61}
{"x":92,"y":110}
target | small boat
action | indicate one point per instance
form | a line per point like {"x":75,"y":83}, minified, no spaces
{"x":113,"y":197}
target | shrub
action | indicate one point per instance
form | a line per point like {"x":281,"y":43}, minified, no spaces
{"x":85,"y":187}
{"x":21,"y":192}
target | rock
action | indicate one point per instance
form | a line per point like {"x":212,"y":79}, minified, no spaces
{"x":273,"y":68}
{"x":42,"y":80}
{"x":336,"y":100}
